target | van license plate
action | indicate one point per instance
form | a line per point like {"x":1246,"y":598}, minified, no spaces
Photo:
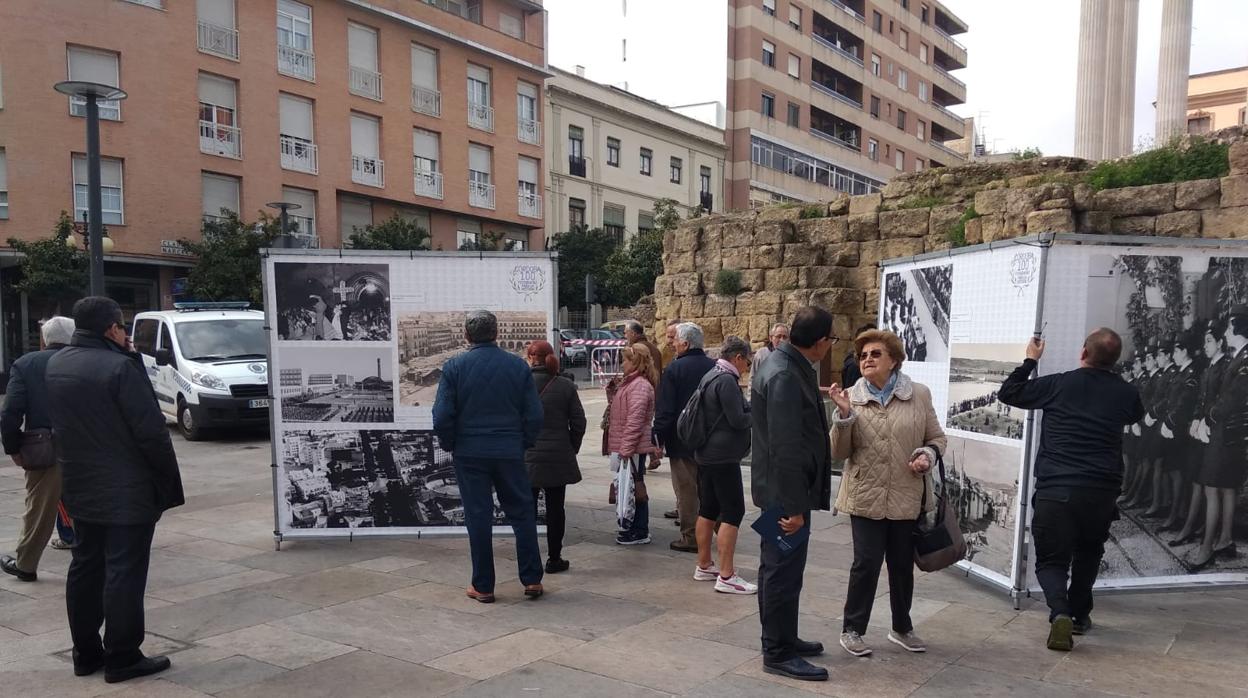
{"x":254,"y":404}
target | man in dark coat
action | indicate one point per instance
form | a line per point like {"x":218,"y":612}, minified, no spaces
{"x":677,"y":385}
{"x":790,"y":470}
{"x":119,"y":474}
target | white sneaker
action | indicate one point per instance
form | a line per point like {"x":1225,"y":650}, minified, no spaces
{"x":708,"y":574}
{"x":735,"y":585}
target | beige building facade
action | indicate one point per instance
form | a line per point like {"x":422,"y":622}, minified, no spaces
{"x":1217,"y":100}
{"x":834,"y":96}
{"x":612,"y":154}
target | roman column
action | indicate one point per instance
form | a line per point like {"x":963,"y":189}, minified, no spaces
{"x":1172,"y":69}
{"x":1126,"y":115}
{"x":1090,"y":85}
{"x":1113,"y":78}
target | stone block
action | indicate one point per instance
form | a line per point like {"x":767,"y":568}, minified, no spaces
{"x":784,"y":279}
{"x":662,"y":285}
{"x":687,"y":237}
{"x":712,"y":238}
{"x":766,"y":257}
{"x":1026,"y":181}
{"x":693,"y":306}
{"x":824,"y":277}
{"x":880,"y":250}
{"x":1180,"y":224}
{"x":943,"y":218}
{"x":871,"y":301}
{"x":668,"y":307}
{"x":758,"y":303}
{"x":731,"y":327}
{"x":1234,"y":191}
{"x":1015,"y":226}
{"x":712,"y":329}
{"x":716,"y":305}
{"x":935,"y":243}
{"x":779,"y":213}
{"x":1238,"y":156}
{"x":1197,"y":194}
{"x":1051,"y":221}
{"x":773,"y":233}
{"x":1150,"y":199}
{"x":1046,"y":205}
{"x":1134,"y":225}
{"x":735,"y":258}
{"x":863,"y":227}
{"x":845,"y":254}
{"x":679,"y":262}
{"x":839,"y":300}
{"x":1084,"y":196}
{"x":1224,"y":222}
{"x":974,"y":231}
{"x":866,"y":203}
{"x":752,"y":279}
{"x":865,"y":277}
{"x":705,"y":260}
{"x":793,"y":300}
{"x":823,"y":231}
{"x":686,"y":284}
{"x":669,"y":241}
{"x":993,"y":227}
{"x":800,"y":254}
{"x":990,"y":201}
{"x":1020,"y":202}
{"x":737,"y":234}
{"x":839,"y":206}
{"x":760,"y":328}
{"x":906,"y":223}
{"x":1096,"y":222}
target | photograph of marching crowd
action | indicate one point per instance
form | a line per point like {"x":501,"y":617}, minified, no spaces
{"x":318,"y":384}
{"x":916,"y":309}
{"x":332,"y":301}
{"x":1184,"y":321}
{"x":976,"y":372}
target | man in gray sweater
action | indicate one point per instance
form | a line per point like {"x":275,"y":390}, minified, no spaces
{"x":720,"y":494}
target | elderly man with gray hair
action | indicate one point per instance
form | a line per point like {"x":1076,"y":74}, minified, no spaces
{"x":26,"y":429}
{"x":487,"y":414}
{"x":679,"y":381}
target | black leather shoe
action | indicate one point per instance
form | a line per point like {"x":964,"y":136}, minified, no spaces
{"x":796,"y":668}
{"x":673,"y":514}
{"x":555,"y":565}
{"x":84,"y":667}
{"x":809,"y":649}
{"x":144,"y":667}
{"x":9,"y":565}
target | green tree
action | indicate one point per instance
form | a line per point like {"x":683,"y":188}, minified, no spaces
{"x":631,"y":269}
{"x":53,"y":273}
{"x":229,"y":258}
{"x":486,"y":242}
{"x":396,"y":233}
{"x":1028,"y":154}
{"x":581,"y":251}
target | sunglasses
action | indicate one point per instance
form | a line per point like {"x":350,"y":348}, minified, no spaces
{"x":833,"y":338}
{"x":874,"y":354}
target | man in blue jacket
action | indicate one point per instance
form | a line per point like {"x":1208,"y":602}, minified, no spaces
{"x":487,"y":414}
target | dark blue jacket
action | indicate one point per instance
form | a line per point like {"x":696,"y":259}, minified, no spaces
{"x":680,"y":380}
{"x":487,"y":405}
{"x":26,"y":398}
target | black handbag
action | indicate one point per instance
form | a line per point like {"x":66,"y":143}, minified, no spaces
{"x":37,"y":450}
{"x":940,"y":545}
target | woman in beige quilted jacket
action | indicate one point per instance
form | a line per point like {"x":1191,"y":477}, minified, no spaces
{"x":886,"y":429}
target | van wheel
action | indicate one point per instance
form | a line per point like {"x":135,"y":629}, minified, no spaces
{"x":187,"y":424}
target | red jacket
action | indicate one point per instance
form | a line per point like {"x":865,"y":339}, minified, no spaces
{"x":632,"y":411}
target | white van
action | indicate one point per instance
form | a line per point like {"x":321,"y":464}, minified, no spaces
{"x":208,"y":363}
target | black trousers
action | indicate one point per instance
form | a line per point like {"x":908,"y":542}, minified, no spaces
{"x":105,"y":586}
{"x":877,"y":541}
{"x":1070,"y":527}
{"x":556,"y":518}
{"x":779,"y":591}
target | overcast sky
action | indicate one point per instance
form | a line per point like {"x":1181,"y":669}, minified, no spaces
{"x":1020,"y":81}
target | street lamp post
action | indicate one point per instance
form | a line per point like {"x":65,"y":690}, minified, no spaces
{"x":92,"y":92}
{"x":282,"y":207}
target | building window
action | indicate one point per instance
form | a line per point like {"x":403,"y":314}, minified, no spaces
{"x":576,"y":151}
{"x":901,"y":119}
{"x":922,"y":91}
{"x":875,"y":107}
{"x":576,"y":214}
{"x":218,"y":121}
{"x":769,"y":6}
{"x":875,"y":65}
{"x":795,"y":17}
{"x":903,"y":40}
{"x":769,"y":105}
{"x":613,"y":222}
{"x":220,"y":196}
{"x":480,"y":114}
{"x":511,"y":25}
{"x":295,"y":134}
{"x":647,"y":161}
{"x":294,"y":40}
{"x":877,"y":22}
{"x":918,"y":165}
{"x":677,"y":166}
{"x":923,"y":53}
{"x":613,"y":152}
{"x":922,"y":131}
{"x":1200,"y":124}
{"x":769,"y":54}
{"x":795,"y":66}
{"x":353,"y":214}
{"x":426,"y":99}
{"x":480,"y":186}
{"x":923,"y":14}
{"x":900,"y":161}
{"x":217,"y":31}
{"x":366,"y":164}
{"x":4,"y":186}
{"x":1242,"y":112}
{"x":111,"y":196}
{"x":890,"y":69}
{"x":529,"y":127}
{"x":873,"y":149}
{"x":795,"y":115}
{"x":467,"y":234}
{"x":888,"y":152}
{"x":363,"y":78}
{"x":903,"y":80}
{"x":704,"y":180}
{"x":526,"y":185}
{"x":426,"y":152}
{"x":91,"y":65}
{"x":645,"y":221}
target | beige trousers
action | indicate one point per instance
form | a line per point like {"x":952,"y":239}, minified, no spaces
{"x":685,"y":484}
{"x":43,"y":491}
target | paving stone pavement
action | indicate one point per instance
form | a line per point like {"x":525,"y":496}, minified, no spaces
{"x":387,"y":617}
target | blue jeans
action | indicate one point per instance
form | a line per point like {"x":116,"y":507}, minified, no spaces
{"x":478,"y":479}
{"x":641,"y":516}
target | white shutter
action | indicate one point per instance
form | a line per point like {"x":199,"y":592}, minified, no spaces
{"x":218,"y":12}
{"x":425,"y":144}
{"x":296,"y":117}
{"x":364,"y":133}
{"x":476,"y":72}
{"x":528,"y":170}
{"x":795,"y":66}
{"x":110,"y":171}
{"x":295,"y":9}
{"x":612,"y":215}
{"x":511,"y":25}
{"x":353,"y":213}
{"x":4,"y":172}
{"x":303,"y":197}
{"x":219,"y":192}
{"x":362,"y":47}
{"x":218,"y":91}
{"x":424,"y":67}
{"x":479,"y":158}
{"x":92,"y":66}
{"x":527,"y":89}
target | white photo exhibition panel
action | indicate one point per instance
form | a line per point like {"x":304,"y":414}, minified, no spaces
{"x":358,"y":344}
{"x":1185,"y":463}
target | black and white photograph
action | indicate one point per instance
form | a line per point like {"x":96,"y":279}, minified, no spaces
{"x":370,"y":479}
{"x":983,"y":484}
{"x":332,"y":301}
{"x":976,"y":372}
{"x":337,"y":385}
{"x":428,"y":339}
{"x":916,"y":308}
{"x":1185,"y":347}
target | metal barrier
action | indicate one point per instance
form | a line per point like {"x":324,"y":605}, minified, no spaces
{"x":605,"y":364}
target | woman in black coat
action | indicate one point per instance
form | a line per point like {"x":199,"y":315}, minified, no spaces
{"x":552,"y":461}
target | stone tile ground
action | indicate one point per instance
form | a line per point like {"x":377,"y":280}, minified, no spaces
{"x":383,"y":617}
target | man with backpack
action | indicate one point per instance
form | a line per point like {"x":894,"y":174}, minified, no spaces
{"x":716,"y":425}
{"x":680,"y":379}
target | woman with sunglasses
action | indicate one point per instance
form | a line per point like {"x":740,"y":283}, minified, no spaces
{"x":886,"y":429}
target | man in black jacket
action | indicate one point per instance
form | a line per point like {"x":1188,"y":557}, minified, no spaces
{"x":1078,"y":472}
{"x":676,"y":386}
{"x":26,"y":412}
{"x":119,"y":474}
{"x":790,"y":470}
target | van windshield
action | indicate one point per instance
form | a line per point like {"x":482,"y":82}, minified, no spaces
{"x":221,"y":340}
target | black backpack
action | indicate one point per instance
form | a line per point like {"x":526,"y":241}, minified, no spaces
{"x":691,"y":425}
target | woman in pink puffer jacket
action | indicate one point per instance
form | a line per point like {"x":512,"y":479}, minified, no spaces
{"x":628,"y":432}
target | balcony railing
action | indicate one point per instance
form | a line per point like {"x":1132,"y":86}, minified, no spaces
{"x":941,"y":146}
{"x":304,"y":234}
{"x":426,"y":101}
{"x":428,"y":183}
{"x":296,"y":62}
{"x":947,"y":113}
{"x":365,"y":83}
{"x":849,"y":11}
{"x":215,"y":139}
{"x":298,"y":155}
{"x":470,"y":12}
{"x":480,"y":195}
{"x":837,"y":95}
{"x":946,"y":73}
{"x":367,"y":170}
{"x":529,"y":131}
{"x":530,"y":205}
{"x":839,"y":141}
{"x":481,"y":117}
{"x":848,"y":56}
{"x":945,"y":34}
{"x":220,"y":41}
{"x":576,"y":166}
{"x":707,"y":201}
